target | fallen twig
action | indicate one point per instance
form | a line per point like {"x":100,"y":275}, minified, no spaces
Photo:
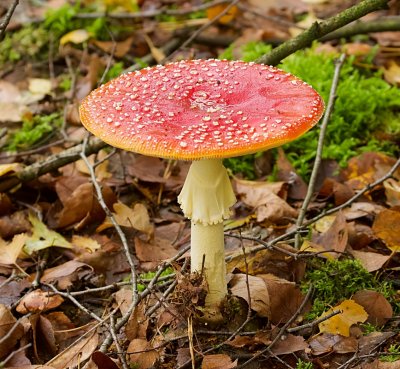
{"x":321,"y":140}
{"x":320,"y":29}
{"x":7,"y":18}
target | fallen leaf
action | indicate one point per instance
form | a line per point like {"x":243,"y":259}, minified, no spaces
{"x":285,"y":298}
{"x":375,"y":304}
{"x":371,"y":261}
{"x":352,"y":313}
{"x":83,"y":244}
{"x":325,"y":343}
{"x":228,"y":17}
{"x":11,"y":290}
{"x":372,"y":340}
{"x":38,"y":301}
{"x":7,"y":168}
{"x":335,"y":238}
{"x":77,"y":353}
{"x":42,"y":237}
{"x":137,"y":218}
{"x":218,"y":361}
{"x":7,"y":321}
{"x":289,"y":345}
{"x":392,"y":73}
{"x":157,"y":249}
{"x":259,"y":296}
{"x":386,"y":226}
{"x":101,"y":170}
{"x":9,"y":252}
{"x":65,"y":274}
{"x":392,"y":192}
{"x":77,"y":36}
{"x":119,"y":48}
{"x":103,"y":361}
{"x":141,"y":354}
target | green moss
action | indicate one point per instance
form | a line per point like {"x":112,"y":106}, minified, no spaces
{"x":33,"y":130}
{"x":150,"y":275}
{"x":365,"y":104}
{"x":394,"y":351}
{"x":304,"y":365}
{"x":336,"y":280}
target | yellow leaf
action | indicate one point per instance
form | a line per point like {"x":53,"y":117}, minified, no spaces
{"x":351,"y":313}
{"x":387,"y":227}
{"x":85,"y":244}
{"x":77,"y":36}
{"x":392,"y":73}
{"x":309,"y":246}
{"x":213,"y":11}
{"x":137,"y":218}
{"x":42,"y":237}
{"x":7,"y":168}
{"x":9,"y":252}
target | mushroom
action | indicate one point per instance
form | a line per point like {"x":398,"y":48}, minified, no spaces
{"x":204,"y":111}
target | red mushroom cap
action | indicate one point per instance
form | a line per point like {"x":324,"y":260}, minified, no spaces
{"x":202,"y":109}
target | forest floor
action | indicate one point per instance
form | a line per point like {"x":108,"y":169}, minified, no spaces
{"x":94,"y":248}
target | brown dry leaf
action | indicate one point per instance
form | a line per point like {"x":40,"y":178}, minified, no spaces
{"x":101,"y":170}
{"x":82,"y":206}
{"x":228,"y":17}
{"x":392,"y":192}
{"x":366,"y":168}
{"x":65,"y":274}
{"x":285,"y":298}
{"x":138,"y":322}
{"x":120,"y":48}
{"x":377,"y":364}
{"x":371,"y":261}
{"x":157,"y":249}
{"x":7,"y":321}
{"x":335,"y":238}
{"x":286,"y":172}
{"x":38,"y":301}
{"x":82,"y":244}
{"x":362,"y":209}
{"x":369,"y":342}
{"x":157,"y":53}
{"x":32,"y":367}
{"x":123,"y":298}
{"x":10,"y":291}
{"x":103,"y":361}
{"x":289,"y":345}
{"x":11,"y":106}
{"x":77,"y":353}
{"x":325,"y":343}
{"x":357,"y":48}
{"x":340,"y":324}
{"x":141,"y":353}
{"x":386,"y":226}
{"x":9,"y":252}
{"x":125,"y":216}
{"x":392,"y":73}
{"x":259,"y":296}
{"x":218,"y":361}
{"x":375,"y":304}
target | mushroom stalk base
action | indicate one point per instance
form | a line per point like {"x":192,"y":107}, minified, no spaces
{"x":208,"y":256}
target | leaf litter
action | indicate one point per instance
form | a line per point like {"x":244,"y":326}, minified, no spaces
{"x":54,"y":231}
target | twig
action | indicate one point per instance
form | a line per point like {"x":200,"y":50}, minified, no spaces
{"x":320,"y":29}
{"x":321,"y":139}
{"x":121,"y":353}
{"x":51,"y":163}
{"x":359,"y":27}
{"x":117,"y":227}
{"x":369,"y":187}
{"x":7,"y":18}
{"x":314,"y":322}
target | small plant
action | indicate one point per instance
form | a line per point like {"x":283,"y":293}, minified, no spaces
{"x":335,"y":280}
{"x":393,"y":354}
{"x":33,"y":130}
{"x":304,"y":364}
{"x":369,"y":328}
{"x":150,"y":275}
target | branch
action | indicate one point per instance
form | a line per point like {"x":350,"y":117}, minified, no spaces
{"x":318,"y":157}
{"x":359,"y":27}
{"x":320,"y":29}
{"x":53,"y":162}
{"x":7,"y":18}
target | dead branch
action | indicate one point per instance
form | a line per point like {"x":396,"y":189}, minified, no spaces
{"x":51,"y":163}
{"x":320,"y":29}
{"x":7,"y":18}
{"x":321,"y":140}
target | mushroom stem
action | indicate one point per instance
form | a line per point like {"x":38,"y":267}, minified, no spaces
{"x":206,"y":198}
{"x":208,"y":252}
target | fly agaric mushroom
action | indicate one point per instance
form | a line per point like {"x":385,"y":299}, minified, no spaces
{"x":203,"y":110}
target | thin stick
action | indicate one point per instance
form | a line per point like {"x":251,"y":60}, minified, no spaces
{"x":320,"y":29}
{"x":7,"y":18}
{"x":318,"y":158}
